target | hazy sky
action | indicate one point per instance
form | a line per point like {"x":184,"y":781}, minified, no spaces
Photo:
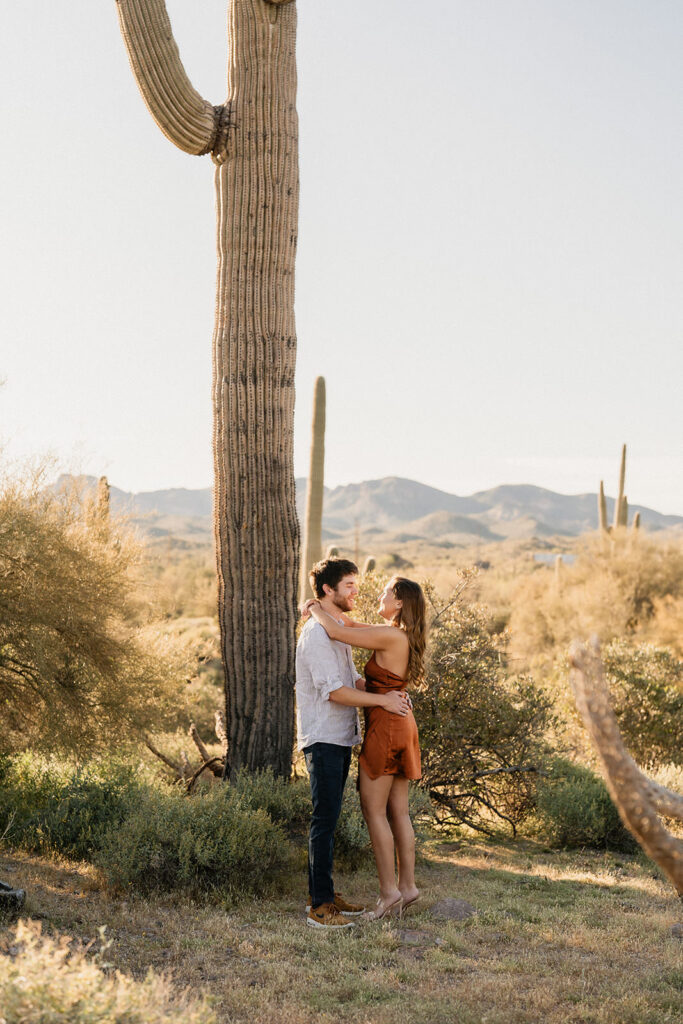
{"x":490,"y":262}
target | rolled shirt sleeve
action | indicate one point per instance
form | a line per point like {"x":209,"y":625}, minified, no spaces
{"x":323,"y":664}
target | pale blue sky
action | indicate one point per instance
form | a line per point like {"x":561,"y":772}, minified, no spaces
{"x":490,"y":266}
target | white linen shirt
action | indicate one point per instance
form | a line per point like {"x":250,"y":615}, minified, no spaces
{"x":323,"y":665}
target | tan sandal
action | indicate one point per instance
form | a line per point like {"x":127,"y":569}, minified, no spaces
{"x":394,"y":908}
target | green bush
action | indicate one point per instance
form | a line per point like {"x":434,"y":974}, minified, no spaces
{"x":646,"y":684}
{"x":56,"y":807}
{"x":287,"y":802}
{"x":574,"y":810}
{"x":147,"y":837}
{"x":482,"y":730}
{"x":207,"y":842}
{"x":82,"y":666}
{"x":46,"y":981}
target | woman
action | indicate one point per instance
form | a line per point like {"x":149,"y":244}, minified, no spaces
{"x":390,"y":755}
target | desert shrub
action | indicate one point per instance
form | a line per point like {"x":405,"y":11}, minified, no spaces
{"x":207,"y":842}
{"x":57,"y":807}
{"x":79,"y":670}
{"x":287,"y":802}
{"x":574,"y":809}
{"x":46,"y":980}
{"x":616,"y":588}
{"x":646,"y":692}
{"x":646,"y":684}
{"x":145,"y":836}
{"x":481,"y":731}
{"x":289,"y":805}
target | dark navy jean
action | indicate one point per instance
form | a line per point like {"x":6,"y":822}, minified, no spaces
{"x":328,"y":768}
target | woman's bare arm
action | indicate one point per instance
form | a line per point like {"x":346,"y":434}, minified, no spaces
{"x":371,"y":638}
{"x":354,"y":624}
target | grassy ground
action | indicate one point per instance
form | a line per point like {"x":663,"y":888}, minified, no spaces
{"x":559,"y":938}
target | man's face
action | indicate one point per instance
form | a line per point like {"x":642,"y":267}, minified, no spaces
{"x":345,"y":593}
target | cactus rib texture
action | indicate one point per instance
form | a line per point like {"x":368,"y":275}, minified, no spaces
{"x":185,"y":117}
{"x":313,"y":528}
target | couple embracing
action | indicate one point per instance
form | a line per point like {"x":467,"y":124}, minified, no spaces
{"x":329,"y":692}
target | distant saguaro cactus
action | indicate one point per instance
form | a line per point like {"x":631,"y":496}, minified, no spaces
{"x":369,"y":565}
{"x":602,"y":509}
{"x":636,"y":521}
{"x":313,"y":524}
{"x":253,"y":140}
{"x":332,"y":552}
{"x":619,"y":507}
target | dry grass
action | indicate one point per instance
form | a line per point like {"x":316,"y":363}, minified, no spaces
{"x":559,"y":938}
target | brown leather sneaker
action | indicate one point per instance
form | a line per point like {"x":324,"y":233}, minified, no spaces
{"x":343,"y":907}
{"x":327,"y":916}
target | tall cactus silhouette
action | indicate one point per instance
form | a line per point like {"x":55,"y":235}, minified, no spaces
{"x":619,"y":507}
{"x":602,"y":509}
{"x":253,"y":140}
{"x":313,"y":526}
{"x":103,"y":507}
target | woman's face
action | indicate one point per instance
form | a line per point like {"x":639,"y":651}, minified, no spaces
{"x":389,"y":605}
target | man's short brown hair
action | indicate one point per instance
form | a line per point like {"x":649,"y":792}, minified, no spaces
{"x":330,"y":571}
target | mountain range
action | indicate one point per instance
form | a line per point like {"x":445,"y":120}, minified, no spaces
{"x":396,"y":509}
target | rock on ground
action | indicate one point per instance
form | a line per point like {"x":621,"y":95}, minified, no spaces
{"x":453,"y":910}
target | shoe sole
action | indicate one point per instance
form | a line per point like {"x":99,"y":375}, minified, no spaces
{"x":345,"y":913}
{"x":329,"y":927}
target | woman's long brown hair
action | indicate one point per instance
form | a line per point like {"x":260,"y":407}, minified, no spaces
{"x":412,"y":619}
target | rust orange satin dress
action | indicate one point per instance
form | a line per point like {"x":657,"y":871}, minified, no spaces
{"x":390,"y":745}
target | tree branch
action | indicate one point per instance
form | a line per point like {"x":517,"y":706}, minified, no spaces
{"x":162,"y":757}
{"x":185,"y":117}
{"x":216,"y":766}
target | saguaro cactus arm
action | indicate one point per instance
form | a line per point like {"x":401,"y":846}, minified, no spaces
{"x":639,"y":800}
{"x":602,"y":509}
{"x":185,"y":117}
{"x":619,"y":504}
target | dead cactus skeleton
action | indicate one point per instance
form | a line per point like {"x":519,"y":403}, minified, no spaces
{"x":639,"y":800}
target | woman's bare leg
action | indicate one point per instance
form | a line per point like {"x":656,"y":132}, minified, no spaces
{"x":404,"y":836}
{"x":374,"y":795}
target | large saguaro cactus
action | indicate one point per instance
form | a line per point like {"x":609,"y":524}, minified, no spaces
{"x":253,"y":140}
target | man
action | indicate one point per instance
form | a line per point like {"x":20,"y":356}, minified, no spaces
{"x":327,"y":728}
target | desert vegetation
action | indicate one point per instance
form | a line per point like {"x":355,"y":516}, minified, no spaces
{"x":103,"y":737}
